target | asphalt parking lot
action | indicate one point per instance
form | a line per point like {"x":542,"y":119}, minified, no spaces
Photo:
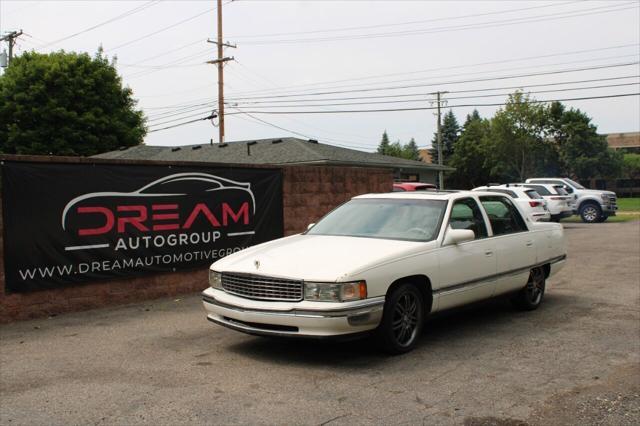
{"x":576,"y":360}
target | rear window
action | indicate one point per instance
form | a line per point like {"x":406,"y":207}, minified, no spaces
{"x":541,"y":190}
{"x":533,"y":194}
{"x":560,"y":190}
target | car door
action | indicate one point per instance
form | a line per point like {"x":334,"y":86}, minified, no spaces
{"x":515,"y":246}
{"x":467,"y":270}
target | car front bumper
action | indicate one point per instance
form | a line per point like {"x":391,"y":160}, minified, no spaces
{"x":292,"y":319}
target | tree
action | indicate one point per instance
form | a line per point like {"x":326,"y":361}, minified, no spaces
{"x":631,"y":165}
{"x":450,"y":133}
{"x":383,"y":148}
{"x":410,"y":151}
{"x":66,"y":104}
{"x":469,"y":154}
{"x":517,"y":139}
{"x":582,"y":152}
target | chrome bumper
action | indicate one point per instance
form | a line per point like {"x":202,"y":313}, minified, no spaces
{"x":355,"y":318}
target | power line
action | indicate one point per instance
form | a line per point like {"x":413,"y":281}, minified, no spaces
{"x":202,"y":107}
{"x":165,"y":53}
{"x":103,"y":23}
{"x":276,"y":88}
{"x":182,"y":124}
{"x":350,"y":80}
{"x":480,"y":25}
{"x":175,"y":108}
{"x":337,"y":142}
{"x":625,"y":64}
{"x":168,"y":27}
{"x":448,"y":97}
{"x":404,"y":23}
{"x":397,"y":109}
{"x":431,"y":108}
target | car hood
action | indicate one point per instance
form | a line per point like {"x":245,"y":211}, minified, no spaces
{"x":317,"y":257}
{"x":597,"y":192}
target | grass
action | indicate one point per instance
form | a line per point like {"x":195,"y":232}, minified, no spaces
{"x":628,"y":210}
{"x":629,"y":205}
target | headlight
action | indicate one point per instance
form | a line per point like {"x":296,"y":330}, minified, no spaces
{"x":335,"y":292}
{"x":215,"y":279}
{"x":605,"y":197}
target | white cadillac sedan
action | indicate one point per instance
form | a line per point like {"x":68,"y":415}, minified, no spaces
{"x":381,"y":263}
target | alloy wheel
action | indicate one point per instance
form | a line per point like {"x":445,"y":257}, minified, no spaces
{"x":405,"y":319}
{"x":535,"y":286}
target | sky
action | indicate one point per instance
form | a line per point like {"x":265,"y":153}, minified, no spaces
{"x":298,"y":62}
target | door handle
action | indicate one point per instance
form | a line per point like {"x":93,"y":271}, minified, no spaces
{"x":529,"y":243}
{"x":488,"y":253}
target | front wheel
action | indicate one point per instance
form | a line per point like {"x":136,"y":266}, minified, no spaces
{"x":402,"y":319}
{"x":590,"y":213}
{"x":530,"y":297}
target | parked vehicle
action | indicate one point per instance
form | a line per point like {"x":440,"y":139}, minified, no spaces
{"x":412,"y":186}
{"x":592,"y":205}
{"x":381,"y":263}
{"x":529,"y":201}
{"x":559,"y":202}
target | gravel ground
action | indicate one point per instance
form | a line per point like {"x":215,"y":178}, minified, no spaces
{"x":576,"y":360}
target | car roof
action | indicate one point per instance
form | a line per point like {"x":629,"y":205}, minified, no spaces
{"x":413,"y":184}
{"x":425,"y":195}
{"x":503,"y":187}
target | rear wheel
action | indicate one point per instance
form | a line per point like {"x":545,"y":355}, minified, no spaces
{"x":402,"y":319}
{"x":590,"y":213}
{"x":530,"y":297}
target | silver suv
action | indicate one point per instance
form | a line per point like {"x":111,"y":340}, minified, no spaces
{"x":591,"y":204}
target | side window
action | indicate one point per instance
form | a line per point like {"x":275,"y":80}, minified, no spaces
{"x":465,"y":214}
{"x":503,"y":215}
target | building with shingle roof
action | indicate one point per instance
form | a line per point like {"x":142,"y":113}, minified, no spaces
{"x":281,"y":151}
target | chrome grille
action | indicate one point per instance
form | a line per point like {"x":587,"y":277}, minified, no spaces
{"x":262,"y":288}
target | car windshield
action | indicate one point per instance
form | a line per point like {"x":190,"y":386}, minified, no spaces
{"x":575,"y":184}
{"x":396,"y":219}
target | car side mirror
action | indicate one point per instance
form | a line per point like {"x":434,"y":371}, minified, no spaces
{"x":457,"y":236}
{"x":309,"y":226}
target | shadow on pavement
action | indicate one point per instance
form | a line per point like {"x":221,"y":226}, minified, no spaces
{"x":451,"y":327}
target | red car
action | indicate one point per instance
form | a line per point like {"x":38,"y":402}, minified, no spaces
{"x":412,"y":186}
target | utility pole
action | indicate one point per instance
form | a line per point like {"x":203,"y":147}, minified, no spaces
{"x":220,"y":62}
{"x":11,"y":39}
{"x":439,"y":101}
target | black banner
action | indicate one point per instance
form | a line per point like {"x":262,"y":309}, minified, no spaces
{"x":75,"y":223}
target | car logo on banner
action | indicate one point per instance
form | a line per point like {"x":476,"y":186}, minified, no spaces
{"x":166,"y":204}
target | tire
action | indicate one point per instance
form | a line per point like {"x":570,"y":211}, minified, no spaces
{"x":402,"y":320}
{"x":590,"y":212}
{"x":603,"y":218}
{"x":530,"y":297}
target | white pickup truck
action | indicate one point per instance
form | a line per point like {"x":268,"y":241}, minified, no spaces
{"x":592,"y":205}
{"x":382,"y":262}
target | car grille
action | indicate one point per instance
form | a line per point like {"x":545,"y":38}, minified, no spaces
{"x":262,"y":288}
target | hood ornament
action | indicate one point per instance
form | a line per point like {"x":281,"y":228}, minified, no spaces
{"x":256,"y":263}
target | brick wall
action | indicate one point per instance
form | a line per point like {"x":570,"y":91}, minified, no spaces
{"x":308,"y":193}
